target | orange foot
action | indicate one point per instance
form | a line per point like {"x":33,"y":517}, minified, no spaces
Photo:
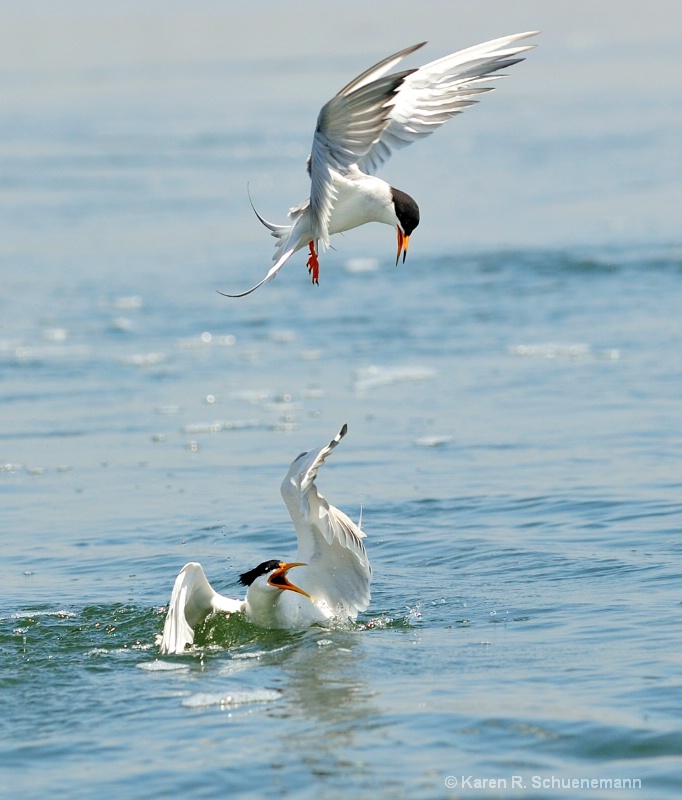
{"x":313,"y":264}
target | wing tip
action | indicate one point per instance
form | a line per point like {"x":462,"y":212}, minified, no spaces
{"x":515,"y":37}
{"x":339,"y":436}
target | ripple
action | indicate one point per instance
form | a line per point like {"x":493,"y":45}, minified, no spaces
{"x":375,"y":376}
{"x":231,"y":700}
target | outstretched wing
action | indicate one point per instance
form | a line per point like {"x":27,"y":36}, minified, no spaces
{"x":432,"y":94}
{"x":329,"y":542}
{"x":192,"y":600}
{"x":347,"y":126}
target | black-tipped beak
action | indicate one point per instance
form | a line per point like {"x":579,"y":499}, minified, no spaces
{"x":279,"y":579}
{"x":403,"y":242}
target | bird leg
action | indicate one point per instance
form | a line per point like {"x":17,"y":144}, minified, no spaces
{"x":313,"y":264}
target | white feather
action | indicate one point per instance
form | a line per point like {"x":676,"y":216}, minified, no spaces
{"x":360,"y":127}
{"x":329,"y":542}
{"x":336,"y":575}
{"x":192,"y":600}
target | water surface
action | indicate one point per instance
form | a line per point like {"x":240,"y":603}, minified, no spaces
{"x":512,"y":394}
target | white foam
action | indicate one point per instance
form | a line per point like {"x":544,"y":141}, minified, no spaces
{"x":373,"y":376}
{"x":432,"y":441}
{"x":231,"y":700}
{"x":163,"y":666}
{"x":551,"y":350}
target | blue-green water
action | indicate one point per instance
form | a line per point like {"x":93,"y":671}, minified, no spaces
{"x":514,"y":441}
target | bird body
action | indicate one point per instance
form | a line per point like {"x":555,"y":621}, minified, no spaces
{"x":359,"y":128}
{"x":332,"y":571}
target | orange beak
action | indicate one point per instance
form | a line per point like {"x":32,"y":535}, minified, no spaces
{"x":403,"y":242}
{"x":279,"y":579}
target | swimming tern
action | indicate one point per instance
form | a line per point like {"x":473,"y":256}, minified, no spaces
{"x":332,"y":571}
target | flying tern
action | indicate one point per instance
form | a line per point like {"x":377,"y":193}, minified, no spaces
{"x":359,"y":128}
{"x":332,"y":571}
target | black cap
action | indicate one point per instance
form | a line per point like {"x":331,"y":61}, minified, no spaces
{"x":406,"y":210}
{"x":247,"y":578}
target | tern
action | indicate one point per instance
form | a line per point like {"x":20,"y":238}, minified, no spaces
{"x":332,"y":569}
{"x":357,"y":131}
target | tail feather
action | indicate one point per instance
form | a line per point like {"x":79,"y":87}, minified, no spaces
{"x":280,"y":232}
{"x":290,"y":238}
{"x":270,"y":275}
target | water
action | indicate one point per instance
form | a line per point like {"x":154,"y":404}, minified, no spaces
{"x":512,"y":395}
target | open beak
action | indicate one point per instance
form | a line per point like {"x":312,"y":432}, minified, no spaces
{"x":403,"y":242}
{"x":279,"y":579}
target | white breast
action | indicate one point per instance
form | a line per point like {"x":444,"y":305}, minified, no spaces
{"x":360,"y":199}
